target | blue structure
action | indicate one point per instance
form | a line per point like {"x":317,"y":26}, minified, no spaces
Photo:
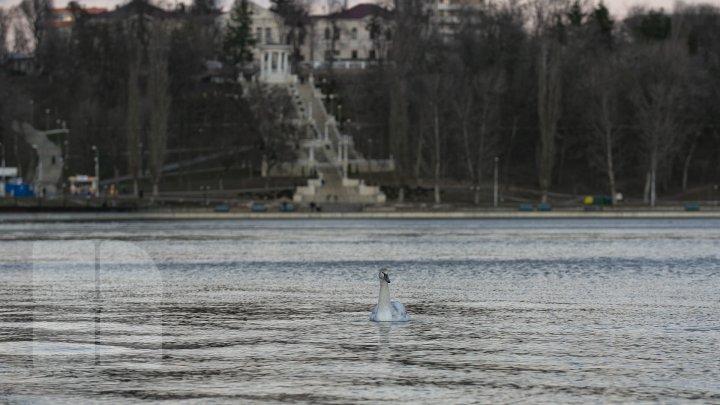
{"x":18,"y":189}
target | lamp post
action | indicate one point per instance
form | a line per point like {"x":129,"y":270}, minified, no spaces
{"x":17,"y":159}
{"x":495,"y":185}
{"x":205,"y":190}
{"x":369,"y":156}
{"x":3,"y":154}
{"x":47,"y":118}
{"x":97,"y":170}
{"x":339,"y":113}
{"x":39,"y":165}
{"x":65,"y":154}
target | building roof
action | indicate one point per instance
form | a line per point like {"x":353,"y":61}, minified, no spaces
{"x":64,"y":17}
{"x":137,"y":7}
{"x":359,"y":12}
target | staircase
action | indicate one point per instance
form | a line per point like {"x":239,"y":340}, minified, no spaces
{"x":328,"y":153}
{"x":50,"y":160}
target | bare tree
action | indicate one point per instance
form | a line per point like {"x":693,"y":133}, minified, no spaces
{"x":549,"y":67}
{"x":21,"y":42}
{"x":433,"y":88}
{"x":158,"y":93}
{"x":4,"y":28}
{"x":408,"y":46}
{"x":133,"y":122}
{"x":604,"y":88}
{"x":277,"y":134}
{"x":34,"y":18}
{"x":658,"y":98}
{"x":482,"y":47}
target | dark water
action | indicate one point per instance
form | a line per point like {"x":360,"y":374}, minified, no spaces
{"x":550,"y":311}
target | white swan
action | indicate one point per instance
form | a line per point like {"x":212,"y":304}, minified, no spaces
{"x":386,"y":310}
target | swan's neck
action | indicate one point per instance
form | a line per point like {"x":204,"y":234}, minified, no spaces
{"x":384,"y":298}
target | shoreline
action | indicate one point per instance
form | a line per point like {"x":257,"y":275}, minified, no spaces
{"x":22,"y":217}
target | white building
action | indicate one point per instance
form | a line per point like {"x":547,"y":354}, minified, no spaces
{"x":350,"y":38}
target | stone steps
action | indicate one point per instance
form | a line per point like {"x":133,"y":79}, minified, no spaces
{"x":330,"y":186}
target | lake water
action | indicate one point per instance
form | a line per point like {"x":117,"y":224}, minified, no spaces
{"x":545,"y":311}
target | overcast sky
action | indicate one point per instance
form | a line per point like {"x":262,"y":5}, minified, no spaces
{"x":617,"y":7}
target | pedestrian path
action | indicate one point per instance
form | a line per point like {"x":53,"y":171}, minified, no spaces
{"x":330,"y":157}
{"x":49,"y":168}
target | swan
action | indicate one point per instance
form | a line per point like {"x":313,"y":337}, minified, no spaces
{"x":386,"y":310}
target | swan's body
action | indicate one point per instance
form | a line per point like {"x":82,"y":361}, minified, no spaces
{"x":386,"y":310}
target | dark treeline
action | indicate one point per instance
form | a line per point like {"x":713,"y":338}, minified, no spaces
{"x":568,"y":97}
{"x":145,"y":85}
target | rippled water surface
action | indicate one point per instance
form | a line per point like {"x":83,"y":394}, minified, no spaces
{"x":541,"y":311}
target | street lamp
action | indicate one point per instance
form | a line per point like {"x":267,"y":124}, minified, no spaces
{"x":205,"y":190}
{"x":17,"y":159}
{"x":3,"y":154}
{"x":369,"y":156}
{"x":47,"y":118}
{"x":97,"y":170}
{"x":339,"y":113}
{"x":65,"y":154}
{"x":140,"y":161}
{"x":39,"y":165}
{"x":495,"y":185}
{"x":331,"y":97}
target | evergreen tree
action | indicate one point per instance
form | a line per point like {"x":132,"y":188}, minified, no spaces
{"x":295,"y":17}
{"x":204,"y":7}
{"x":603,"y":25}
{"x":239,"y":38}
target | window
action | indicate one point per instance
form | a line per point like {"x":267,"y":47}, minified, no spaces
{"x":353,"y":33}
{"x":258,"y":35}
{"x":268,"y":35}
{"x":371,"y":54}
{"x":354,"y":54}
{"x":327,"y":33}
{"x":388,"y":35}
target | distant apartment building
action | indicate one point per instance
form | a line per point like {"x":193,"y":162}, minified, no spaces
{"x":447,"y":15}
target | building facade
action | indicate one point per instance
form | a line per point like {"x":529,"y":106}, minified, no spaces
{"x":352,"y":38}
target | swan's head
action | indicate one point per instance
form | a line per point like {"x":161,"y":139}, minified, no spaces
{"x":384,"y":275}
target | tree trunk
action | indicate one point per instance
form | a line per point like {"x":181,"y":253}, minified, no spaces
{"x":437,"y":154}
{"x":116,"y":176}
{"x":549,"y":87}
{"x":158,"y":94}
{"x":610,"y":165}
{"x":418,"y":159}
{"x":466,"y":140}
{"x":686,"y":166}
{"x":399,"y":126}
{"x":481,"y":150}
{"x":653,"y":179}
